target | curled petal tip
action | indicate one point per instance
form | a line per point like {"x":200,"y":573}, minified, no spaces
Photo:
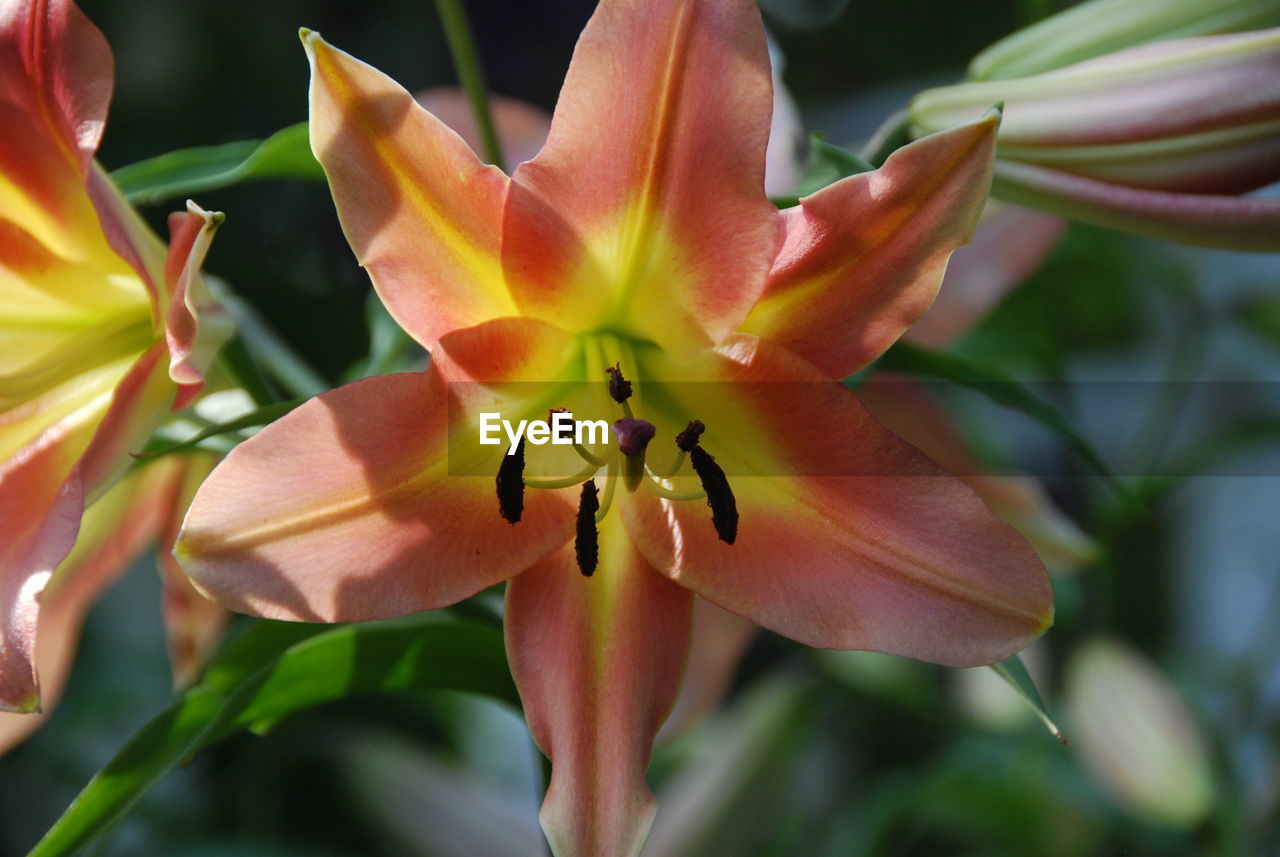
{"x":25,"y":705}
{"x":212,"y":219}
{"x":306,"y":34}
{"x":1050,"y":614}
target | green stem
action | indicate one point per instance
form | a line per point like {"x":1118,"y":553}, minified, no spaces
{"x":457,"y":32}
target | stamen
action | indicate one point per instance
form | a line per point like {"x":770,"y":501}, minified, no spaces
{"x":552,"y":482}
{"x":724,"y":509}
{"x":619,"y":387}
{"x":586,"y":544}
{"x":610,"y":483}
{"x":685,"y":441}
{"x":657,"y":484}
{"x":565,"y":432}
{"x":633,"y":436}
{"x":688,"y":438}
{"x":510,"y":484}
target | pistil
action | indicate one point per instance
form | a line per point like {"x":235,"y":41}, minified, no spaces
{"x":633,"y":437}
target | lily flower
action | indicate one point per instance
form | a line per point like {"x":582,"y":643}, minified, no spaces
{"x":99,"y":335}
{"x":1160,"y":139}
{"x":633,"y":272}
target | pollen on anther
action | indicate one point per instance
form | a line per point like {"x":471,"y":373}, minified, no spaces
{"x":619,"y":387}
{"x":688,"y":439}
{"x":724,"y":508}
{"x":586,"y":544}
{"x":510,"y":484}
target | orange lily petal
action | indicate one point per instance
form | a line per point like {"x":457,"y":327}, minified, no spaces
{"x":849,"y":537}
{"x":1009,"y":244}
{"x":422,"y":213}
{"x":115,"y":530}
{"x":863,"y":258}
{"x":345,"y":509}
{"x":41,"y":499}
{"x":645,"y":208}
{"x":598,"y":663}
{"x":56,"y":75}
{"x":191,"y":232}
{"x":907,"y":410}
{"x":138,"y":404}
{"x":193,"y":624}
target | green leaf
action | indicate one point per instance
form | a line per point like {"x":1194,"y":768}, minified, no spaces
{"x":420,"y":652}
{"x":259,"y":417}
{"x":425,"y":651}
{"x":828,"y":163}
{"x":150,"y":755}
{"x":255,"y":643}
{"x":1013,"y":671}
{"x":285,"y":154}
{"x":804,"y":14}
{"x":913,"y":360}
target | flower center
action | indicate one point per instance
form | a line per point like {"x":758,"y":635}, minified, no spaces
{"x":626,"y":463}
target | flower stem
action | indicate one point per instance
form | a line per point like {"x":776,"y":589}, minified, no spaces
{"x":457,"y":31}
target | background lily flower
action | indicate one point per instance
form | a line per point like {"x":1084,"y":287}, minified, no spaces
{"x":639,"y":238}
{"x":99,"y":335}
{"x":1159,"y":139}
{"x":1137,"y":737}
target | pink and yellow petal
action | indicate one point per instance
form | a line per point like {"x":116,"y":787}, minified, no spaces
{"x":361,"y":504}
{"x":191,"y":233}
{"x":421,"y":211}
{"x":848,"y":537}
{"x":41,"y":500}
{"x":645,"y":209}
{"x":598,"y":663}
{"x":138,"y":404}
{"x":193,"y":624}
{"x":907,"y":410}
{"x":55,"y":84}
{"x":863,"y":258}
{"x":114,"y":531}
